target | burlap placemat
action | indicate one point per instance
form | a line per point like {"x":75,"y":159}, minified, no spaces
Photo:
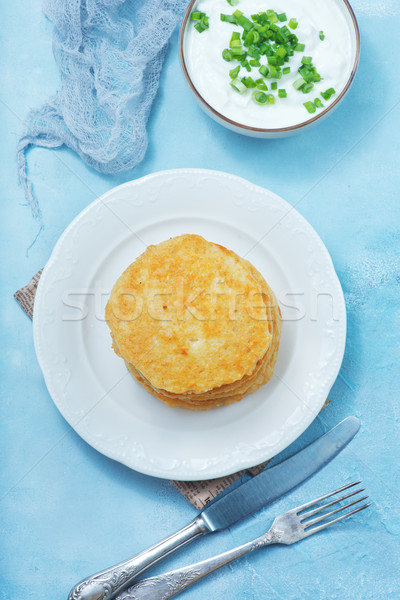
{"x":199,"y":493}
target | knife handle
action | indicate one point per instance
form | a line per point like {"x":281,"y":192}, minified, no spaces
{"x":106,"y":584}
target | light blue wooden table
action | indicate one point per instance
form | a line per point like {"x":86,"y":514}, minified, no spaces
{"x":66,"y":510}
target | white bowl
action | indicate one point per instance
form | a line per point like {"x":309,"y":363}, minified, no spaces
{"x":259,"y":132}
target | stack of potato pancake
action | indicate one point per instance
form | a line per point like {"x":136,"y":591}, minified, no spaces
{"x":196,"y":325}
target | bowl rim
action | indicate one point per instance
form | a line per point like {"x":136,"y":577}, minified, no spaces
{"x":290,"y":128}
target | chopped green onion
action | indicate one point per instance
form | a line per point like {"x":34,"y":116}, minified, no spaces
{"x":200,"y":26}
{"x":273,"y":60}
{"x":246,"y":65}
{"x":248,"y":82}
{"x":298,"y":83}
{"x":274,"y":72}
{"x":234,"y":72}
{"x":238,"y":86}
{"x":307,"y":87}
{"x":235,"y":40}
{"x":309,"y":73}
{"x":201,"y":21}
{"x":228,"y":18}
{"x":265,"y":34}
{"x":233,"y":2}
{"x":281,"y":51}
{"x":321,"y":35}
{"x":260,"y":97}
{"x":227,"y":55}
{"x":243,"y":22}
{"x":253,"y":53}
{"x":197,"y":16}
{"x":272,"y":16}
{"x":253,"y":37}
{"x":261,"y":85}
{"x":238,"y":52}
{"x":310,"y":106}
{"x":327,"y":95}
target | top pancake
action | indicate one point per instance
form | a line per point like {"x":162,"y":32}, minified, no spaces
{"x":189,"y":315}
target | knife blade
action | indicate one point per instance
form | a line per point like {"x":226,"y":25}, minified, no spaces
{"x":247,"y":498}
{"x":274,"y":482}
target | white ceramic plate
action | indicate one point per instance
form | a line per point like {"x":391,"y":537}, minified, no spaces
{"x":90,"y":384}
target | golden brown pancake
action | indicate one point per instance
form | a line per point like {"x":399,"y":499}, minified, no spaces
{"x":196,"y":324}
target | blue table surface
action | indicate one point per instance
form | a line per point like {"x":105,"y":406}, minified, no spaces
{"x":66,"y":510}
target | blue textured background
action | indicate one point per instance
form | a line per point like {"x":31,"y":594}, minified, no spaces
{"x":66,"y":510}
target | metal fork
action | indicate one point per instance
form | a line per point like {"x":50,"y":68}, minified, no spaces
{"x":287,"y":529}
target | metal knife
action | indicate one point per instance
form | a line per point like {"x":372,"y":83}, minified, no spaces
{"x":262,"y":489}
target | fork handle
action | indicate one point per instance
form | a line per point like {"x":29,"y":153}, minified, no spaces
{"x":108,"y":583}
{"x":168,"y":585}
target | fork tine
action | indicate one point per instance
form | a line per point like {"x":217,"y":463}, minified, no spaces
{"x":317,"y":500}
{"x":332,"y":512}
{"x":341,"y":518}
{"x":315,"y":511}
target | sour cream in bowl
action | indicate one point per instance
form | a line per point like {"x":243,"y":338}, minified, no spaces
{"x":269,"y":68}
